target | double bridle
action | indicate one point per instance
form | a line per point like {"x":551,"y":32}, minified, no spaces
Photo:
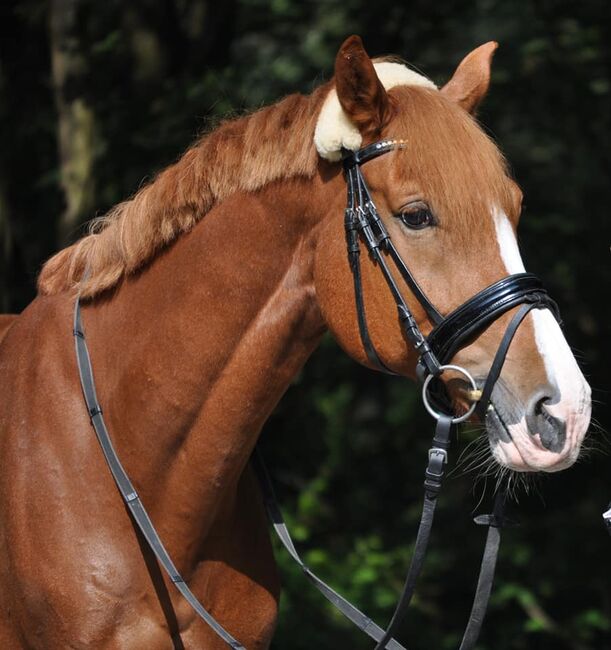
{"x":449,"y":334}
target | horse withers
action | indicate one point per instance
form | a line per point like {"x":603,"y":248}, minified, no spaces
{"x":202,"y":296}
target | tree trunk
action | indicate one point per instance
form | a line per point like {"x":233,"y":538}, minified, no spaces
{"x":6,"y":242}
{"x":77,"y":122}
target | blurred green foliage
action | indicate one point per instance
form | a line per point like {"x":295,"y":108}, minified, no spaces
{"x":346,"y":445}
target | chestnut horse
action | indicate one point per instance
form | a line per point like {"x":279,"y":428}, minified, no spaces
{"x":6,"y":320}
{"x":203,"y":296}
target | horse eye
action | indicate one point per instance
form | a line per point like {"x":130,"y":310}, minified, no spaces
{"x":418,"y":218}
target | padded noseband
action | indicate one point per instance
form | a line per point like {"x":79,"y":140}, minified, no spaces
{"x":462,"y":325}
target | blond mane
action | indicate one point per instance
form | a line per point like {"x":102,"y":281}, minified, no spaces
{"x":458,"y":166}
{"x":273,"y":143}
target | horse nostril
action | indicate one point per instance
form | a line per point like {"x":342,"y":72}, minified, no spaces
{"x":540,"y":404}
{"x":551,"y":430}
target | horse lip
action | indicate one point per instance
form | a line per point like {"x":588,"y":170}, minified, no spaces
{"x":499,"y":428}
{"x":494,"y":416}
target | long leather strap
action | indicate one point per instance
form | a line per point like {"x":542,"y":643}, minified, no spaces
{"x":274,"y":513}
{"x":495,"y":522}
{"x":433,"y":481}
{"x":432,"y":485}
{"x":126,"y":488}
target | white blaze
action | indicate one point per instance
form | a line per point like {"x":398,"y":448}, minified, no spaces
{"x":560,"y":365}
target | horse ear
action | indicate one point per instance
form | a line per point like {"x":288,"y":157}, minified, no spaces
{"x":469,"y":84}
{"x":360,"y":92}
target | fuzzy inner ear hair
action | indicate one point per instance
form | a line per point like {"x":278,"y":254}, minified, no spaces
{"x":334,"y":129}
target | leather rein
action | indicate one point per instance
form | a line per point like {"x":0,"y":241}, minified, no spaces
{"x":449,"y":334}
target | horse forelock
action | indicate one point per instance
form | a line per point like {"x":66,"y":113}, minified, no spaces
{"x":459,"y":169}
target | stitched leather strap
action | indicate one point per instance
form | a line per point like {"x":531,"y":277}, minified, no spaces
{"x":499,"y":358}
{"x":464,"y":323}
{"x":433,"y":481}
{"x":274,"y":514}
{"x":495,"y":522}
{"x":125,"y":486}
{"x":432,"y":485}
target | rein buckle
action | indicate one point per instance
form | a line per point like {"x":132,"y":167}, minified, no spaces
{"x":437,"y":451}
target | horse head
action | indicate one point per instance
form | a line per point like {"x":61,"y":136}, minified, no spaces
{"x":446,"y":199}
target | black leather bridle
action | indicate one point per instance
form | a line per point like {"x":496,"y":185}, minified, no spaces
{"x":449,"y":334}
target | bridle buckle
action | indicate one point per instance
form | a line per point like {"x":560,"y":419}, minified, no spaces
{"x":438,"y":452}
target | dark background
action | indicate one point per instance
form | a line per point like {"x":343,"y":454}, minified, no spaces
{"x":97,"y":96}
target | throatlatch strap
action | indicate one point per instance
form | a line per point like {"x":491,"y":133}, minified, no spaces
{"x":127,"y":490}
{"x":274,"y":513}
{"x":351,"y":225}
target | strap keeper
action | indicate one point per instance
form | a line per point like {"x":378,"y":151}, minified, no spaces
{"x":487,"y":520}
{"x":495,"y":521}
{"x":430,"y":362}
{"x":95,"y":410}
{"x":432,"y":488}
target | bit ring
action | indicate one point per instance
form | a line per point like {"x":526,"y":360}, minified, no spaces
{"x":427,"y":404}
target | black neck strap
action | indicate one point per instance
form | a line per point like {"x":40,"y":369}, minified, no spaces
{"x":126,"y":488}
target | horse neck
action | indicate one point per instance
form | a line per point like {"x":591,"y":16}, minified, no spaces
{"x":193,"y":353}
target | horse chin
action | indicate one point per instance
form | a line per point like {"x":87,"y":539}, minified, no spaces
{"x":515,"y":447}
